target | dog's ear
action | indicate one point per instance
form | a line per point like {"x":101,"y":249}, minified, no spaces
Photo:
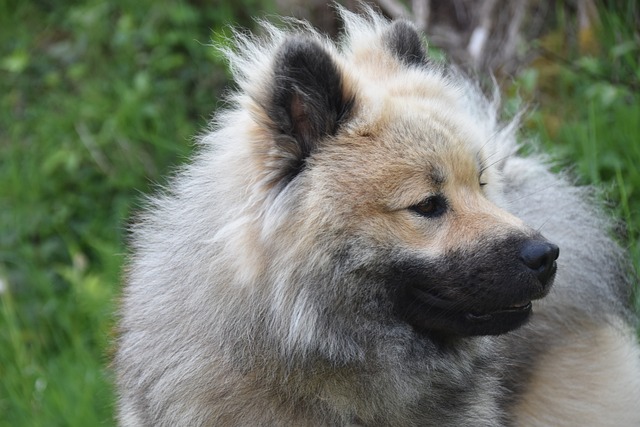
{"x":404,"y":41}
{"x":308,"y":99}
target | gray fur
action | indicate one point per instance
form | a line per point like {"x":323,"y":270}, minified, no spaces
{"x":252,"y":300}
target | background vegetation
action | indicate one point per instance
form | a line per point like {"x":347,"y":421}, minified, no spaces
{"x":587,"y":93}
{"x":99,"y":100}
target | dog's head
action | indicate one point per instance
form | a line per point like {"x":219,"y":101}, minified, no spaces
{"x":390,"y":162}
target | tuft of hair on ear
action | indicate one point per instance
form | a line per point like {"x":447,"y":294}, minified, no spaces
{"x":308,"y":101}
{"x":404,"y":41}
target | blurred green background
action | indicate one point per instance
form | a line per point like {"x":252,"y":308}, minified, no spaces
{"x":101,"y":100}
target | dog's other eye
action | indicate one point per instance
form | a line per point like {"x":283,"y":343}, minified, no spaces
{"x":481,"y":181}
{"x":431,"y":207}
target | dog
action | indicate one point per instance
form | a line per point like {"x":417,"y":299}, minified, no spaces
{"x":358,"y":242}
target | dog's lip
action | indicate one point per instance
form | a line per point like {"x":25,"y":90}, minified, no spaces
{"x":494,"y":321}
{"x":439,"y":314}
{"x":517,"y":309}
{"x":432,"y":298}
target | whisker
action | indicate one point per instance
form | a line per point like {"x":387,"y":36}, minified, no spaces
{"x":495,"y":162}
{"x":489,"y":139}
{"x":539,"y":228}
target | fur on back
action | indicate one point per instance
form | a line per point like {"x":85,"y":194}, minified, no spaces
{"x":252,"y":294}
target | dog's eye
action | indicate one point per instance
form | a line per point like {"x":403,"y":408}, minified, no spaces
{"x":431,"y":207}
{"x":481,"y":181}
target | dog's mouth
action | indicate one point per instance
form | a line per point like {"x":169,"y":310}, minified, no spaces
{"x":510,"y":310}
{"x":431,"y":313}
{"x":500,"y":320}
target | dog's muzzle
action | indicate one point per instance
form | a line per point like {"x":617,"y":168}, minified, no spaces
{"x":484,"y":290}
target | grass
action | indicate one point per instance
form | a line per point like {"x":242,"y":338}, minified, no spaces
{"x":99,"y":100}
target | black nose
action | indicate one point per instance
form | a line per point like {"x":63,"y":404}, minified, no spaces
{"x":540,"y":258}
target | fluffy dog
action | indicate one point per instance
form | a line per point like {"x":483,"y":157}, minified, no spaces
{"x":356,"y":243}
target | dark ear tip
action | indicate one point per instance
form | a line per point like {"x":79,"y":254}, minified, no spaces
{"x":402,"y":25}
{"x":301,"y":50}
{"x":300,"y":60}
{"x":298,"y":48}
{"x":404,"y":41}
